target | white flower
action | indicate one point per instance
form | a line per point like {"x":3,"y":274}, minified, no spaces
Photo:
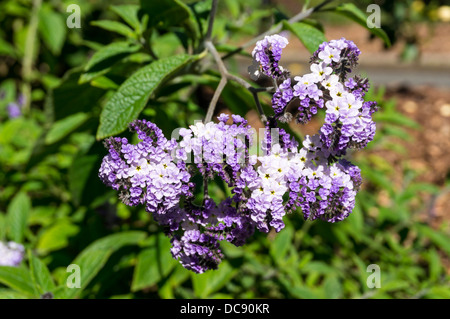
{"x":330,"y":54}
{"x":330,"y":81}
{"x":307,"y":79}
{"x":338,"y":91}
{"x":321,"y":70}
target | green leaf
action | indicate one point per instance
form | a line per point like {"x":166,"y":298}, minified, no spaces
{"x":115,"y":26}
{"x":18,"y":279}
{"x":211,"y":281}
{"x":352,"y":12}
{"x":18,"y":212}
{"x":90,"y":263}
{"x":56,"y":237}
{"x":40,"y":275}
{"x":281,"y":244}
{"x":105,"y":83}
{"x":105,"y":58}
{"x":92,"y":259}
{"x":108,"y":55}
{"x":132,"y":96}
{"x":62,"y":128}
{"x":129,"y":13}
{"x":153,"y":264}
{"x":310,"y":36}
{"x":117,"y":241}
{"x":12,"y":294}
{"x":52,"y":29}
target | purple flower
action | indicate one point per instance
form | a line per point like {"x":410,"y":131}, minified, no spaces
{"x":11,"y":254}
{"x":13,"y":110}
{"x":267,"y":53}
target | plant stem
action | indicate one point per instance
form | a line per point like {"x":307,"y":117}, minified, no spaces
{"x":225,"y":75}
{"x":212,"y":15}
{"x":27,"y":62}
{"x":215,"y":99}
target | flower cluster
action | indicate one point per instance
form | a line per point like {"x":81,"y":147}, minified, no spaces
{"x":11,"y":254}
{"x":158,"y":173}
{"x":217,"y":148}
{"x":267,"y":54}
{"x":348,"y":120}
{"x":145,"y":173}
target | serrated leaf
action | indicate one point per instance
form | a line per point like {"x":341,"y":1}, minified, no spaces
{"x":18,"y":279}
{"x":18,"y":212}
{"x":63,"y":127}
{"x":52,"y":29}
{"x":115,"y":26}
{"x":352,"y":12}
{"x":40,"y":275}
{"x":310,"y":36}
{"x":132,"y":96}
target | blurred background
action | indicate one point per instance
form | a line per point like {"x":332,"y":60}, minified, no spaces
{"x":52,"y":202}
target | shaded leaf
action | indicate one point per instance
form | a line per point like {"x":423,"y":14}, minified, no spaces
{"x":56,"y":237}
{"x":18,"y":212}
{"x":165,"y":13}
{"x":62,"y":128}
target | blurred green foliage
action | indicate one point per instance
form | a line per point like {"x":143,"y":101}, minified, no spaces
{"x":52,"y":201}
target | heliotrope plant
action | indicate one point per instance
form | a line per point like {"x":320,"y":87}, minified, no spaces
{"x":314,"y":176}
